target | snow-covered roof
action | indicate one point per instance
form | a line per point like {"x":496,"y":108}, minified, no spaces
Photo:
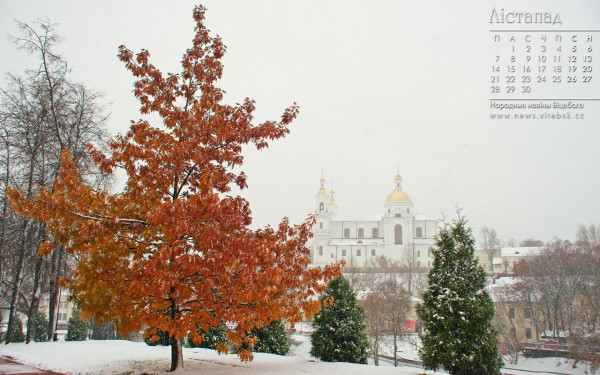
{"x":355,"y":241}
{"x":520,"y":251}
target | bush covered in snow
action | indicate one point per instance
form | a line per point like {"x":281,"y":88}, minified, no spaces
{"x":77,"y":328}
{"x":40,"y":328}
{"x":16,"y":333}
{"x":214,"y":336}
{"x":272,"y":339}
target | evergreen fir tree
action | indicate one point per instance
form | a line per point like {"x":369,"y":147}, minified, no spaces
{"x":40,"y":328}
{"x":77,"y":329}
{"x":214,"y":336}
{"x":457,"y":312}
{"x":272,"y":339}
{"x":16,"y":333}
{"x":340,"y":333}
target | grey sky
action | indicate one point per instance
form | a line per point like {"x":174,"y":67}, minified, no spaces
{"x":380,"y":84}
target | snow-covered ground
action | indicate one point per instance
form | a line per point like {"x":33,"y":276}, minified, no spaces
{"x":125,"y":357}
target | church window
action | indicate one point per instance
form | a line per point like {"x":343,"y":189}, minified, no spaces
{"x":359,"y":241}
{"x":527,"y":313}
{"x":320,"y":250}
{"x":321,"y":206}
{"x":321,"y":225}
{"x":398,"y":215}
{"x":418,"y":253}
{"x":398,"y":234}
{"x":361,"y":233}
{"x":419,"y":232}
{"x":408,"y":210}
{"x":418,"y":263}
{"x":346,"y":232}
{"x":375,"y":232}
{"x":528,"y":333}
{"x":358,"y":252}
{"x":372,"y":252}
{"x":343,"y":253}
{"x":331,"y":255}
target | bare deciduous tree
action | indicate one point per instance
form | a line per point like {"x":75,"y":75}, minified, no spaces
{"x":41,"y":113}
{"x":490,"y":243}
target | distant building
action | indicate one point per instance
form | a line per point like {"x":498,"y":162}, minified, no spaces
{"x":504,"y":259}
{"x":399,"y":234}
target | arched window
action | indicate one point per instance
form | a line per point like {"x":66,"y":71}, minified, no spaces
{"x":398,"y":234}
{"x":372,"y":252}
{"x":361,"y":233}
{"x":343,"y":253}
{"x":321,"y":225}
{"x":346,"y":232}
{"x":419,"y":232}
{"x":320,"y":250}
{"x":321,"y":206}
{"x":358,"y":252}
{"x":375,"y":232}
{"x":397,"y":215}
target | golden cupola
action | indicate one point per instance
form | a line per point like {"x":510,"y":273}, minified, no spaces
{"x":398,"y":195}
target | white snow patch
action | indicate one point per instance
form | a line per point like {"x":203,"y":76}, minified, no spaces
{"x":125,"y":357}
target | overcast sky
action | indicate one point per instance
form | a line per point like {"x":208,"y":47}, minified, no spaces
{"x":381,"y":85}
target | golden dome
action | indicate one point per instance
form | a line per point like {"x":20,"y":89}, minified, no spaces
{"x":397,"y":196}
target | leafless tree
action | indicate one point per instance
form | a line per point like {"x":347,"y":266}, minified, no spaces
{"x":490,"y":243}
{"x":531,"y":242}
{"x":42,"y":113}
{"x":387,"y":303}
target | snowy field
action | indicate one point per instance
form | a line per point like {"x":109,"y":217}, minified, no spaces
{"x":136,"y":358}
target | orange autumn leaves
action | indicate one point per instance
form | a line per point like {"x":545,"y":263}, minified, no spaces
{"x":173,"y":251}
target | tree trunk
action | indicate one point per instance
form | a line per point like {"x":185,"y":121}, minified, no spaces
{"x":376,"y":352}
{"x":395,"y":347}
{"x":16,"y":284}
{"x":54,"y":290}
{"x":32,"y":314}
{"x":176,"y":354}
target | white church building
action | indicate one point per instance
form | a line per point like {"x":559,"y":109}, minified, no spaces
{"x":400,"y":234}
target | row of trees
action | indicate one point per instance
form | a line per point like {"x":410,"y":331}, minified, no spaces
{"x":558,"y":291}
{"x":457,"y":312}
{"x":42,"y":112}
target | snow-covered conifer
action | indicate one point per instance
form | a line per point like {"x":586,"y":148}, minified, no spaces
{"x":340,"y":333}
{"x":457,"y":312}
